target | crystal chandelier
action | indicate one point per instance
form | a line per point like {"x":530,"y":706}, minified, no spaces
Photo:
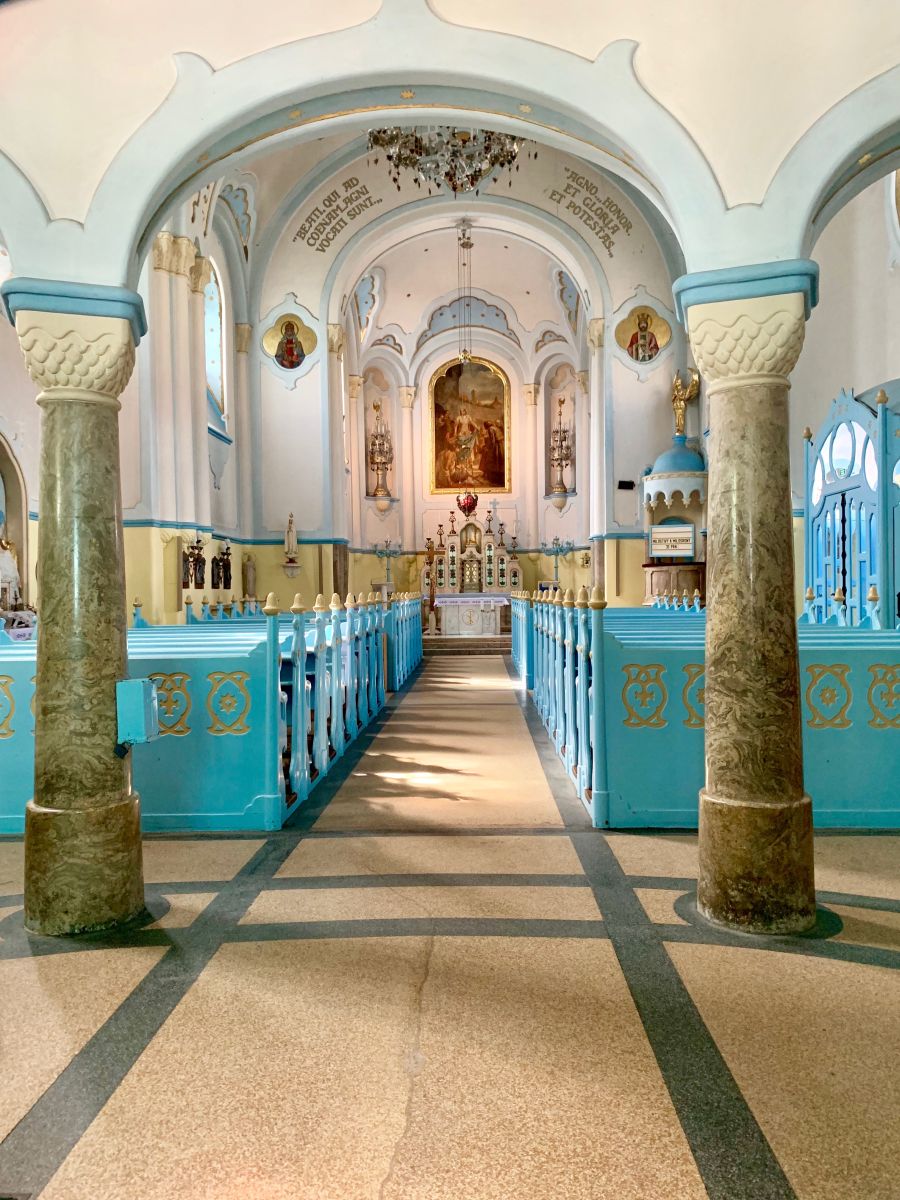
{"x":464,"y":247}
{"x":440,"y":155}
{"x":381,"y":459}
{"x":560,"y":457}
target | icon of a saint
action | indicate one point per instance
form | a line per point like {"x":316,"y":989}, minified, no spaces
{"x":643,"y":346}
{"x":290,"y":353}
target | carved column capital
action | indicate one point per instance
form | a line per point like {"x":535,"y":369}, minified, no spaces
{"x":76,"y":357}
{"x":200,"y":273}
{"x":336,"y":340}
{"x":748,"y":341}
{"x":582,"y":378}
{"x":595,"y":333}
{"x":354,"y":386}
{"x":407,"y":396}
{"x":530,"y":392}
{"x":242,"y":335}
{"x":173,"y":254}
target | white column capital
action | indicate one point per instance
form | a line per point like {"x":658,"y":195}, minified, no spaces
{"x":583,"y":381}
{"x":354,"y":386}
{"x":242,"y":335}
{"x":595,"y":333}
{"x":530,"y":392}
{"x":200,"y":274}
{"x":173,"y":254}
{"x":408,"y":396}
{"x":74,"y":357}
{"x":336,"y":340}
{"x":747,"y":341}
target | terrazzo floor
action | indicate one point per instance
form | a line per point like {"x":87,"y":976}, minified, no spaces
{"x":441,"y":983}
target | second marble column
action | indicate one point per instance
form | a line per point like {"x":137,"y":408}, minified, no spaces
{"x":756,"y":848}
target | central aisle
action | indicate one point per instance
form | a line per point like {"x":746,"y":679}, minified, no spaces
{"x":408,"y":1049}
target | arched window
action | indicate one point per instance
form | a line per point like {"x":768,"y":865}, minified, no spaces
{"x":213,"y":336}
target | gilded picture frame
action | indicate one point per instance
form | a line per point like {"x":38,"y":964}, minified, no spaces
{"x":464,"y":441}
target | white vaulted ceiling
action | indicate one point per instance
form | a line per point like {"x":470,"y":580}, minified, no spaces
{"x":746,"y":80}
{"x":421,"y":270}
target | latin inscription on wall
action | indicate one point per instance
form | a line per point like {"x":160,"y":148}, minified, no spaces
{"x":329,"y":216}
{"x":584,"y":200}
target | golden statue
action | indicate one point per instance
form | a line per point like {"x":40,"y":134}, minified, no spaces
{"x":681,"y":396}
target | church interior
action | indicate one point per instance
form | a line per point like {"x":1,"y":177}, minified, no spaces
{"x":449,"y":601}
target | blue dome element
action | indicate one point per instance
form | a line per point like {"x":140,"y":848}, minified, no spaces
{"x":679,"y":458}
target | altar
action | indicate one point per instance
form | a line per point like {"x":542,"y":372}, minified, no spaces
{"x":471,"y":615}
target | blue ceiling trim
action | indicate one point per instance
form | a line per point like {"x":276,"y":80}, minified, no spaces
{"x":79,"y":299}
{"x":741,"y":283}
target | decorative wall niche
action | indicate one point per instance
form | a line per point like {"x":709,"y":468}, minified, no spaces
{"x":290,"y":341}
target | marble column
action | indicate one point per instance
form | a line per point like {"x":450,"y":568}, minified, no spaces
{"x":82,"y":829}
{"x":242,"y":426}
{"x":407,"y":470}
{"x":533,"y":470}
{"x":336,"y":429}
{"x":756,"y":849}
{"x":597,"y":467}
{"x":357,"y":473}
{"x":201,"y":272}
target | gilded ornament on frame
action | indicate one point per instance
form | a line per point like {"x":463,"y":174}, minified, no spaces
{"x":693,"y":695}
{"x":469,"y":411}
{"x":173,"y":702}
{"x":884,"y":696}
{"x":828,"y":696}
{"x":228,"y":703}
{"x":644,"y":695}
{"x":7,"y":706}
{"x":643,"y":334}
{"x":289,"y":341}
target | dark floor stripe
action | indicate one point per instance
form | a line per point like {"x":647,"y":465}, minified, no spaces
{"x":432,"y":879}
{"x":511,"y":927}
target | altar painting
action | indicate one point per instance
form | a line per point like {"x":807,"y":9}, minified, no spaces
{"x":469,"y":405}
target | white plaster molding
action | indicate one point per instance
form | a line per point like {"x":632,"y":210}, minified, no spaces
{"x":336,"y":340}
{"x":595,"y":333}
{"x":200,"y":273}
{"x":290,"y":304}
{"x":76,"y":357}
{"x":737,"y":342}
{"x":642,"y":298}
{"x":242,"y":336}
{"x":173,"y":254}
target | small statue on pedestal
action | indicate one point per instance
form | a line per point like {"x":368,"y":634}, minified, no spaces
{"x":10,"y":582}
{"x":290,"y":541}
{"x":682,"y":396}
{"x":249,"y":576}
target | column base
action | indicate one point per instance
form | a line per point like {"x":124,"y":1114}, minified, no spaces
{"x":756,"y":865}
{"x":83,"y":867}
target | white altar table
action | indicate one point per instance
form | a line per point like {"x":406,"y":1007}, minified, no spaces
{"x":471,"y":615}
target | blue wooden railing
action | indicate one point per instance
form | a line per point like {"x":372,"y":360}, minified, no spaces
{"x":253,"y":713}
{"x":620,"y":692}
